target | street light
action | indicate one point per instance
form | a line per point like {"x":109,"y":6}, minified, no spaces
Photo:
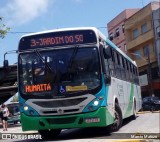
{"x":149,"y":72}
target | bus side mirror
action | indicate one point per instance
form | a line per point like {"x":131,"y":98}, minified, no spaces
{"x":107,"y":52}
{"x":6,"y":65}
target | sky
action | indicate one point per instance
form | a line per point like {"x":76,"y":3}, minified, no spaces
{"x":27,"y":16}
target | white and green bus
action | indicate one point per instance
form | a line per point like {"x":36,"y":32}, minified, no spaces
{"x":74,"y":78}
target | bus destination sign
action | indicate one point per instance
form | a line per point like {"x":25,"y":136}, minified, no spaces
{"x":49,"y":41}
{"x":57,"y":39}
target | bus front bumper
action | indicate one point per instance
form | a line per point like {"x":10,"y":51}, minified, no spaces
{"x":99,"y":118}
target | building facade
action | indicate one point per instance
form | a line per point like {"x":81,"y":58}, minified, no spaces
{"x":141,"y":47}
{"x":156,"y":21}
{"x":116,"y":28}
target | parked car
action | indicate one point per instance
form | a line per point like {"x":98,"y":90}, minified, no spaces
{"x":14,"y":113}
{"x":151,"y":103}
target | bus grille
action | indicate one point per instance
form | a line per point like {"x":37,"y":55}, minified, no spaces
{"x":55,"y":112}
{"x":59,"y":103}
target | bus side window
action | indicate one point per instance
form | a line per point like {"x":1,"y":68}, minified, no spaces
{"x":124,"y":68}
{"x":107,"y":67}
{"x":127,"y":69}
{"x":115,"y":64}
{"x":135,"y":75}
{"x":118,"y":66}
{"x":111,"y":64}
{"x":131,"y":73}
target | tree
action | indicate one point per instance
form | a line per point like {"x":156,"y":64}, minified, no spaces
{"x":3,"y":29}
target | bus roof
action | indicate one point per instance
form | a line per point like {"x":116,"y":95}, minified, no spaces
{"x":63,"y":29}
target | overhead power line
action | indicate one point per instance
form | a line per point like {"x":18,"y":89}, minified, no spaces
{"x":100,"y":27}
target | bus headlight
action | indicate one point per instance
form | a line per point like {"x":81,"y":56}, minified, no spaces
{"x":96,"y":103}
{"x":25,"y":108}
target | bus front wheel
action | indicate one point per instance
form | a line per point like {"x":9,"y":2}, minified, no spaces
{"x":52,"y":133}
{"x":117,"y":120}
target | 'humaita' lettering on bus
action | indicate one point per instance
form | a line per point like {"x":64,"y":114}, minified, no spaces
{"x":38,"y":88}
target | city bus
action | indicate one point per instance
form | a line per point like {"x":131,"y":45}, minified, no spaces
{"x":74,"y":78}
{"x":14,"y":113}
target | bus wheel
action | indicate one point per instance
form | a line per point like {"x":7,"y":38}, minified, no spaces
{"x":52,"y":133}
{"x":134,"y":111}
{"x":118,"y":119}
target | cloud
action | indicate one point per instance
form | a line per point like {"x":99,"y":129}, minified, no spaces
{"x":23,"y":11}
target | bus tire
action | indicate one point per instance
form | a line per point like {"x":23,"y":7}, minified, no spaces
{"x":52,"y":133}
{"x":134,"y":116}
{"x":118,"y":119}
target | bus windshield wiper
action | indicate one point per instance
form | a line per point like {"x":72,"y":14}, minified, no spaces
{"x":73,"y":56}
{"x":43,"y":60}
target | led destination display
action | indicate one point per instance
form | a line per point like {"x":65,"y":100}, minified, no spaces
{"x":53,"y":39}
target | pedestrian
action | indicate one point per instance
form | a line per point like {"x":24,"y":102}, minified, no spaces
{"x":5,"y":113}
{"x":1,"y":114}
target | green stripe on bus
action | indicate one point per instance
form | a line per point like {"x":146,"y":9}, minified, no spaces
{"x":129,"y":108}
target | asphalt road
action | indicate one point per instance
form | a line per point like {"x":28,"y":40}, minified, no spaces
{"x":147,"y":123}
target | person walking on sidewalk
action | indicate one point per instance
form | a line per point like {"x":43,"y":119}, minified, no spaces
{"x":5,"y":113}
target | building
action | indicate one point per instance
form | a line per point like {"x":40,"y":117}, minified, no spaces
{"x":116,"y":28}
{"x":156,"y":21}
{"x":141,"y":46}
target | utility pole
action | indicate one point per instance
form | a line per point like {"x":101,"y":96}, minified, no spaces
{"x":149,"y":73}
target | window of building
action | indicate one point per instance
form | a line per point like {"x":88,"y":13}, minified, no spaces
{"x":111,"y":36}
{"x":137,"y":54}
{"x":125,"y":47}
{"x":158,"y":31}
{"x":146,"y":50}
{"x":135,"y":33}
{"x":144,"y":28}
{"x":123,"y":28}
{"x":117,"y":32}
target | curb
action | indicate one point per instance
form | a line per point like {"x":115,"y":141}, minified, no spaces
{"x":129,"y":140}
{"x":142,"y":112}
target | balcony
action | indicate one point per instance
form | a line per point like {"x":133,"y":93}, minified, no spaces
{"x":140,"y":39}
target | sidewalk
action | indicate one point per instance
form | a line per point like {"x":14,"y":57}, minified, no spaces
{"x":12,"y":128}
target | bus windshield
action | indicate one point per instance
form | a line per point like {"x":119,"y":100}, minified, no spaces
{"x":59,"y":73}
